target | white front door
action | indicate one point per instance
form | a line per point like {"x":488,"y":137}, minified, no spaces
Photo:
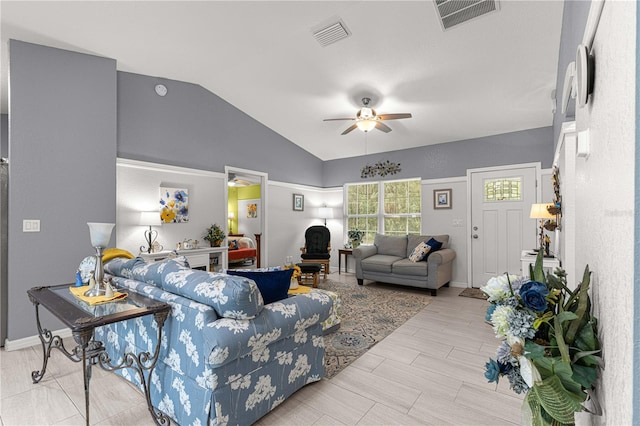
{"x":501,"y":200}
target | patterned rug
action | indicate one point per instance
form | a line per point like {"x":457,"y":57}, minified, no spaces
{"x":476,"y":293}
{"x":368,"y":314}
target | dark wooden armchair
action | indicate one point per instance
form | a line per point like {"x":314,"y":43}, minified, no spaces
{"x":317,"y":247}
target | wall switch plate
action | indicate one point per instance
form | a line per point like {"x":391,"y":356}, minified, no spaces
{"x":31,"y":225}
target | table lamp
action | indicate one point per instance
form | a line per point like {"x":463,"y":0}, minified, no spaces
{"x":231,"y":215}
{"x":100,"y":234}
{"x":539,"y":211}
{"x":149,"y":219}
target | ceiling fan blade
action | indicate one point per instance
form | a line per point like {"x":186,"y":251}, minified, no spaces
{"x":393,"y":116}
{"x":383,"y":127}
{"x":350,"y":128}
{"x":336,"y":119}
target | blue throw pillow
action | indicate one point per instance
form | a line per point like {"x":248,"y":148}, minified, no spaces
{"x":273,"y":285}
{"x":435,"y":246}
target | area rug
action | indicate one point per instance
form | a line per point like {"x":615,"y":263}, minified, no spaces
{"x":476,"y":293}
{"x":368,"y":314}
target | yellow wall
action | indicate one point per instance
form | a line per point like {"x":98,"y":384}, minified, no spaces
{"x":249,"y":192}
{"x":240,"y":193}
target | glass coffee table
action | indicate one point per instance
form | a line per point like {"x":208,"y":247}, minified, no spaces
{"x":82,"y":319}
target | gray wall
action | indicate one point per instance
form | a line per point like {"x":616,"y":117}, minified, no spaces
{"x":62,"y":171}
{"x":192,"y":127}
{"x":4,"y":135}
{"x":574,"y":20}
{"x":450,"y":159}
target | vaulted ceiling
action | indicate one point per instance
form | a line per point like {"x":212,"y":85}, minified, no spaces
{"x":491,"y":75}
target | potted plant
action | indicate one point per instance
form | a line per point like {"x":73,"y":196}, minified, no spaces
{"x":355,"y":236}
{"x":215,"y":235}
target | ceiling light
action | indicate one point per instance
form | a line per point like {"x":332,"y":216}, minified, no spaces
{"x":366,"y":125}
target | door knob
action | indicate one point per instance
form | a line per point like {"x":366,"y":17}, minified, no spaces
{"x":475,"y":236}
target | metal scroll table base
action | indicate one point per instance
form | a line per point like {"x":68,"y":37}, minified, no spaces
{"x":90,"y":352}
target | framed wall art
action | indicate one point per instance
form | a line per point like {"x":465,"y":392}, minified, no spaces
{"x":174,"y":205}
{"x":441,"y":199}
{"x":298,"y":202}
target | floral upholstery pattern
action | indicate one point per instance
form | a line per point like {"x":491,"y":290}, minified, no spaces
{"x":231,"y":297}
{"x":213,"y":369}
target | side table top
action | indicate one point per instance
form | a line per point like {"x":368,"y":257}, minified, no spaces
{"x":80,"y":316}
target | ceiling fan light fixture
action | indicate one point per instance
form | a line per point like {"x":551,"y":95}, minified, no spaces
{"x":366,"y":113}
{"x":366,"y":125}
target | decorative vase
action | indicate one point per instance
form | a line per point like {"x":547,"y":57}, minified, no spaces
{"x":293,"y":284}
{"x":355,"y":243}
{"x":215,"y":243}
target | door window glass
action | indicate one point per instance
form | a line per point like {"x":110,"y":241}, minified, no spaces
{"x":503,"y":189}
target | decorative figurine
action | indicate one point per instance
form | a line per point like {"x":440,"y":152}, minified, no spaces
{"x":547,"y":241}
{"x":79,"y":279}
{"x":108,"y":290}
{"x":92,"y":281}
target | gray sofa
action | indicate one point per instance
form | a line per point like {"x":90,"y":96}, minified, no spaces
{"x":387,"y":261}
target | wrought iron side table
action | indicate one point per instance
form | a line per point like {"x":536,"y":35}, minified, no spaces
{"x":82,"y":319}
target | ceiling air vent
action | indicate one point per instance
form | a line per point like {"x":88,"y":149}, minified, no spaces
{"x":454,"y":12}
{"x":329,"y":34}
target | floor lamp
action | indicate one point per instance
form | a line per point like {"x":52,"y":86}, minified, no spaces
{"x":325,"y":213}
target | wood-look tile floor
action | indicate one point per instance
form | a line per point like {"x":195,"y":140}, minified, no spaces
{"x":430,"y":371}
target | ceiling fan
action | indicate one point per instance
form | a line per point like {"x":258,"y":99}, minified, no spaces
{"x":366,"y":119}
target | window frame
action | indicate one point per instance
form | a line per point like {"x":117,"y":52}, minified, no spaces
{"x":381,"y":215}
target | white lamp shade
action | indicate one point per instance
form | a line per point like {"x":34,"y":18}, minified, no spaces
{"x":100,"y":233}
{"x":325,"y":212}
{"x":231,"y":215}
{"x":366,"y":125}
{"x":150,"y":219}
{"x":539,"y":211}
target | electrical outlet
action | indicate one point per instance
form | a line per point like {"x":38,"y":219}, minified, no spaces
{"x":31,"y":225}
{"x":456,"y":222}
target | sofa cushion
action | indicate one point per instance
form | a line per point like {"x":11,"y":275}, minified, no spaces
{"x":152,"y":272}
{"x":414,"y":240}
{"x":391,"y":245}
{"x":434,"y":244}
{"x":231,"y":297}
{"x":420,"y":252}
{"x":379,"y":263}
{"x":273,"y":285}
{"x":142,"y":270}
{"x":407,"y":267}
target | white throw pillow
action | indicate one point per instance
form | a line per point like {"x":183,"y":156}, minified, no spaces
{"x":420,"y":252}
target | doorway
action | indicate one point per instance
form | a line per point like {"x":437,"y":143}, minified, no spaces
{"x":501,"y":199}
{"x":246,"y":200}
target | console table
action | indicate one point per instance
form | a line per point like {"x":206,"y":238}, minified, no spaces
{"x":200,"y":258}
{"x":82,"y":319}
{"x":527,"y":257}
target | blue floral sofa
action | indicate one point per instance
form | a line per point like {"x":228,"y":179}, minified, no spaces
{"x":225,"y":358}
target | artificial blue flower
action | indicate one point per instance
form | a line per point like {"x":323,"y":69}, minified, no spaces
{"x":503,"y":354}
{"x":505,"y":368}
{"x":533,"y":294}
{"x":517,"y":382}
{"x":490,"y":309}
{"x":492,"y":373}
{"x":521,"y":324}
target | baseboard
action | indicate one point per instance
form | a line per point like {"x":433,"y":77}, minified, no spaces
{"x":458,"y":284}
{"x":26,"y":342}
